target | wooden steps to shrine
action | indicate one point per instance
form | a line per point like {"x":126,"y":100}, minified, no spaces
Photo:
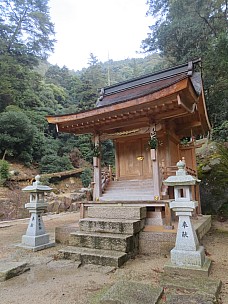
{"x":129,"y":190}
{"x":109,"y":238}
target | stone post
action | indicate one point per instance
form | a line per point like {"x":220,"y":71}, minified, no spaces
{"x":36,"y":238}
{"x":187,"y":251}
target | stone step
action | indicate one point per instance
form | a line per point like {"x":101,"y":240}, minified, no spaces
{"x":126,"y":197}
{"x":120,"y":212}
{"x":106,"y":241}
{"x":111,"y":225}
{"x":128,"y":189}
{"x":94,"y":256}
{"x":132,"y":181}
{"x":130,"y":186}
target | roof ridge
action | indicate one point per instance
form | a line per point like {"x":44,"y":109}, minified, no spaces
{"x":187,"y":68}
{"x":155,"y":73}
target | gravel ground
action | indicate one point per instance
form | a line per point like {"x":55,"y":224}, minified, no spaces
{"x":57,"y":281}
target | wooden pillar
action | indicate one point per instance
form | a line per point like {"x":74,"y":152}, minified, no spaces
{"x":117,"y":160}
{"x":97,"y":172}
{"x":155,"y":167}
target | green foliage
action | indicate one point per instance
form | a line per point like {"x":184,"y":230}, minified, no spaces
{"x":26,"y":28}
{"x":221,"y":132}
{"x":223,"y":166}
{"x":213,"y":173}
{"x":108,"y":153}
{"x":96,"y":151}
{"x":153,"y":142}
{"x":31,"y":89}
{"x":4,"y":171}
{"x":86,"y":177}
{"x":16,"y":133}
{"x":54,"y":163}
{"x":186,"y":30}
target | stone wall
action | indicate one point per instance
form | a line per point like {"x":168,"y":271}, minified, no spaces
{"x":156,"y":242}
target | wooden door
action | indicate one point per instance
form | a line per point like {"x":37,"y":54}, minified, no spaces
{"x":133,"y":159}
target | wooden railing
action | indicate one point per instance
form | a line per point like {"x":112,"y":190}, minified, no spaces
{"x":106,"y":178}
{"x":167,"y":171}
{"x":171,"y":170}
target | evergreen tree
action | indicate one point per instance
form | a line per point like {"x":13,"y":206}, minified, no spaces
{"x":25,"y":27}
{"x":185,"y":30}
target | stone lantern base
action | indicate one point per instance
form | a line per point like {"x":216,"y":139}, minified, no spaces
{"x":36,"y":243}
{"x":203,"y":271}
{"x":190,"y":258}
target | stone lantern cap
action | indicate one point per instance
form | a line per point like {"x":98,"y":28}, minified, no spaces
{"x":37,"y":186}
{"x":181,"y":178}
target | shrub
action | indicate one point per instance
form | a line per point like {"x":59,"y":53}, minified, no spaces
{"x":54,"y":163}
{"x":4,"y":171}
{"x":86,"y":177}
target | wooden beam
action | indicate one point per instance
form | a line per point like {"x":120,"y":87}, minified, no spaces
{"x":155,"y":97}
{"x":181,"y":128}
{"x":171,"y":114}
{"x":186,"y":106}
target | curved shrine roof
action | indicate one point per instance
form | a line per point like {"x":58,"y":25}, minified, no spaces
{"x":175,"y":93}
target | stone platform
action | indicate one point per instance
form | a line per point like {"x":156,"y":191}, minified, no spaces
{"x":157,"y":240}
{"x":152,"y":240}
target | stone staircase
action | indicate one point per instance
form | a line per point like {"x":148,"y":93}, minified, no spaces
{"x":109,"y":236}
{"x":129,"y":190}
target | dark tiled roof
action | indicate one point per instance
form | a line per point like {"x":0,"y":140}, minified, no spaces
{"x":140,"y":91}
{"x":145,"y":85}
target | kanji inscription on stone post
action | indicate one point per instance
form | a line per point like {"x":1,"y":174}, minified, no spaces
{"x":187,"y":251}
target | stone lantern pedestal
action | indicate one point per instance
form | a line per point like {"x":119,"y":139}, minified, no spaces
{"x":187,"y":252}
{"x":36,"y":237}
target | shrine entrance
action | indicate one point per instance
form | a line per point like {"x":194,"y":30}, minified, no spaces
{"x":133,"y":159}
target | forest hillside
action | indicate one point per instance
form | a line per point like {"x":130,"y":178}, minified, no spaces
{"x":31,"y":88}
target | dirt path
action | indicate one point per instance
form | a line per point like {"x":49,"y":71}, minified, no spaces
{"x":52,"y":281}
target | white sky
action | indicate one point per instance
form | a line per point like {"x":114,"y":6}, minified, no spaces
{"x":101,"y":27}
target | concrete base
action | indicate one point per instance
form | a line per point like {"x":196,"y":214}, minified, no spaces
{"x":154,"y":221}
{"x":9,"y":270}
{"x":188,"y":258}
{"x":187,"y":271}
{"x":36,"y":243}
{"x":37,"y":248}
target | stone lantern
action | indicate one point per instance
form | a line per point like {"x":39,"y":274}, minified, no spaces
{"x":36,"y":238}
{"x":187,"y":251}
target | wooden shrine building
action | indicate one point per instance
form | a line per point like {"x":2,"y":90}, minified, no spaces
{"x":146,"y":118}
